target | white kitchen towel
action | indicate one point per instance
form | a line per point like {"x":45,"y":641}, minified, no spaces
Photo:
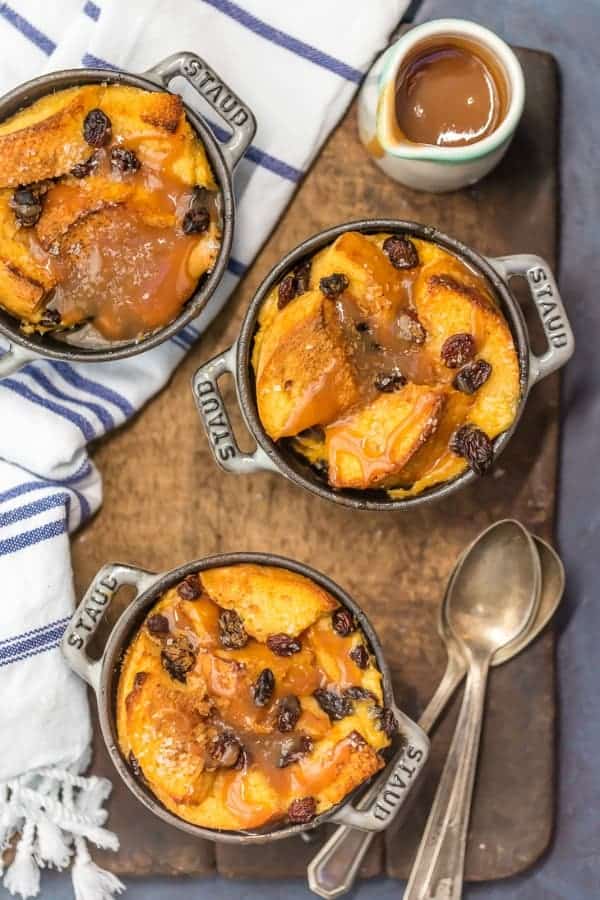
{"x":297,"y":66}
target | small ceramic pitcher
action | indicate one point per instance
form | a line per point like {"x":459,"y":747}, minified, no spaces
{"x":428,"y":167}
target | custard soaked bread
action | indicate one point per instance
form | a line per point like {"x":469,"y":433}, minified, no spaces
{"x":386,"y":362}
{"x":249,"y":697}
{"x":109,"y":212}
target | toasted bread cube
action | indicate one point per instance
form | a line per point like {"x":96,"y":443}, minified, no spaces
{"x":305,"y":377}
{"x":70,"y":202}
{"x":20,"y":296}
{"x":346,"y":761}
{"x":371,"y":446}
{"x":450,"y":302}
{"x":268,"y":599}
{"x":167,"y":731}
{"x":46,"y":140}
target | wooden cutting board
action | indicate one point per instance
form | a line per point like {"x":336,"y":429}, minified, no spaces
{"x":166,"y":502}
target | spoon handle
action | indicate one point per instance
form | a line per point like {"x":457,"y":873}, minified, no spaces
{"x":437,"y":873}
{"x":333,"y":869}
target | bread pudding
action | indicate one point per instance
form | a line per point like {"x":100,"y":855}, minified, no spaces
{"x":109,"y":212}
{"x":386,"y":363}
{"x":249,"y":698}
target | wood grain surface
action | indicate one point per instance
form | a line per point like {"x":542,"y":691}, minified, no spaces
{"x":166,"y":502}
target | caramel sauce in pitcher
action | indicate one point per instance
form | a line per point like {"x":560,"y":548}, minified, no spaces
{"x":449,"y":93}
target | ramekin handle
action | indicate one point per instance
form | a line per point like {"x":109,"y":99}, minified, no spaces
{"x":13,"y":359}
{"x":217,"y":94}
{"x":91,"y":611}
{"x":215,"y":419}
{"x":549,"y":306}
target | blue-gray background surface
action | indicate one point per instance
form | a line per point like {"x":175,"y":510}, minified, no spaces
{"x":571,"y":870}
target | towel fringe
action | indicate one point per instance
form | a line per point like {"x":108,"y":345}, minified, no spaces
{"x":56,"y":811}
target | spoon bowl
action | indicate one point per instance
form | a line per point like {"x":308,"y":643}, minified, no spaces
{"x":489,"y":603}
{"x":552,"y":589}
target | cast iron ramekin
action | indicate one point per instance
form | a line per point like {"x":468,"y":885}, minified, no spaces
{"x":406,"y":758}
{"x":273,"y":457}
{"x":223,"y":159}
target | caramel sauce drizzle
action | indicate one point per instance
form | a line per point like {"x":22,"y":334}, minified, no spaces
{"x":125,"y":265}
{"x":223,"y":680}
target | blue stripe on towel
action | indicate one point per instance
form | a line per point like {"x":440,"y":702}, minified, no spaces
{"x":44,"y":382}
{"x":93,"y":387}
{"x":57,"y":408}
{"x":32,"y":631}
{"x":35,"y":536}
{"x":275,"y":36}
{"x":260,"y":158}
{"x":94,"y":62}
{"x":35,"y":643}
{"x":41,"y":41}
{"x":48,"y":502}
{"x":32,"y":509}
{"x":236,"y":267}
{"x":53,"y":645}
{"x":92,"y":10}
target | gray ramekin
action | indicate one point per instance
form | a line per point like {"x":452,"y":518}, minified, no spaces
{"x":272,"y":457}
{"x":410,"y":750}
{"x":223,"y":159}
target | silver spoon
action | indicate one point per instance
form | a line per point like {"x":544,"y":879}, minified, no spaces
{"x":492,"y":600}
{"x":333,"y":870}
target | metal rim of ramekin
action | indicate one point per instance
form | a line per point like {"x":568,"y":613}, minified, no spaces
{"x":46,"y":347}
{"x":308,"y":479}
{"x":120,"y":637}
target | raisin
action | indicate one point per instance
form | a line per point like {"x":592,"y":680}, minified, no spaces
{"x":360,"y":655}
{"x":124,"y":160}
{"x":178,"y":657}
{"x":386,"y":720}
{"x":263,"y":687}
{"x":401,"y":252}
{"x":335,"y":705}
{"x":134,"y":765}
{"x":225,"y":749}
{"x":26,"y":204}
{"x":287,"y":291}
{"x":475,"y":446}
{"x":343,"y":621}
{"x":458,"y":349}
{"x":302,"y":810}
{"x":139,"y":680}
{"x":158,"y":624}
{"x":410,"y":329}
{"x":472,"y":376}
{"x":97,"y":128}
{"x":302,"y":276}
{"x":50,"y":318}
{"x":197,"y":217}
{"x":232,"y":633}
{"x":293,"y":750}
{"x":190,"y":588}
{"x":288,"y":713}
{"x":334,"y":285}
{"x":83,"y":169}
{"x":354,"y":692}
{"x":283,"y":644}
{"x":388,"y":382}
